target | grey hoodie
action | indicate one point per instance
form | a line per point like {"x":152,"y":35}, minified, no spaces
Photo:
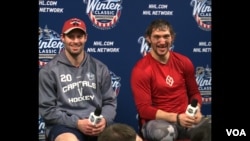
{"x":67,"y":93}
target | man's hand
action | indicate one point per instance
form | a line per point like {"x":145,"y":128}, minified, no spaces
{"x":87,"y":128}
{"x":186,"y":121}
{"x":189,"y":121}
{"x":197,"y":117}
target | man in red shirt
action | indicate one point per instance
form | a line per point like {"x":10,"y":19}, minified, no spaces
{"x":163,"y":84}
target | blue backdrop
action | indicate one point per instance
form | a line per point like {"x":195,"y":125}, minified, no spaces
{"x":115,"y":36}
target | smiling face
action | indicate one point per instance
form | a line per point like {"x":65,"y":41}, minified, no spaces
{"x":74,"y":41}
{"x":160,"y":36}
{"x":160,"y":40}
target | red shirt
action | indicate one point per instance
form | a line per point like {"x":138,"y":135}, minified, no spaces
{"x":169,"y":87}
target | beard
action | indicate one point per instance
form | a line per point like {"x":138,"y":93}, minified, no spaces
{"x":74,"y":53}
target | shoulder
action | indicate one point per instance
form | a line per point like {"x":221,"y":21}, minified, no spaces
{"x":98,"y":63}
{"x":51,"y":63}
{"x":143,"y":62}
{"x":183,"y":62}
{"x":143,"y":65}
{"x":178,"y":57}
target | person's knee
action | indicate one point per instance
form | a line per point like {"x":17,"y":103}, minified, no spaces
{"x":159,"y":130}
{"x":66,"y":137}
{"x":202,"y":132}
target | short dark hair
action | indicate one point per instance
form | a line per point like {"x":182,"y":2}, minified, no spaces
{"x":118,"y":132}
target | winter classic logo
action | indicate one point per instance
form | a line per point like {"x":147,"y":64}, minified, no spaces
{"x":49,"y":45}
{"x":202,"y":13}
{"x":116,"y":82}
{"x":204,"y":81}
{"x":104,"y":14}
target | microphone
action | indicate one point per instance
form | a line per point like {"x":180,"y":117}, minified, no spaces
{"x":95,"y":117}
{"x":192,"y":108}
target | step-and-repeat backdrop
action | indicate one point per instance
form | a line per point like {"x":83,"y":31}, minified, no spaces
{"x":115,"y":36}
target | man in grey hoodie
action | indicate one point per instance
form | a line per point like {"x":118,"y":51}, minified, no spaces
{"x":71,"y":86}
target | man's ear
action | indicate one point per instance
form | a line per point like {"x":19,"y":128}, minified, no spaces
{"x":62,"y":37}
{"x":148,"y":40}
